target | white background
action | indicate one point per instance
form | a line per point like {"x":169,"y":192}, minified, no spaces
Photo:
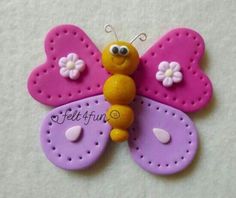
{"x":24,"y":170}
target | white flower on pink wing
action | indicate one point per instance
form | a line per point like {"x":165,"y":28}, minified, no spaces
{"x":169,"y":73}
{"x":71,"y":66}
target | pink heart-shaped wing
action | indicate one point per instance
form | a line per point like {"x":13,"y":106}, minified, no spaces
{"x":47,"y":85}
{"x":186,"y":47}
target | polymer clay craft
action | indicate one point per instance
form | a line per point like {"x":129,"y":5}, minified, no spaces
{"x":121,"y":95}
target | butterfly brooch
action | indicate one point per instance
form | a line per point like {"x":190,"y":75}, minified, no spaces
{"x":120,"y":96}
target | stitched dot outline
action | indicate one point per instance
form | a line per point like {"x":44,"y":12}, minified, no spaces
{"x":171,"y":113}
{"x":54,"y":59}
{"x":196,"y":54}
{"x":87,"y":151}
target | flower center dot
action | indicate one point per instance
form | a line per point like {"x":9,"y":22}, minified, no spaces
{"x":70,"y":65}
{"x":169,"y":73}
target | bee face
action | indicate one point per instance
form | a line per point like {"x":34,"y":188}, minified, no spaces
{"x":120,"y":57}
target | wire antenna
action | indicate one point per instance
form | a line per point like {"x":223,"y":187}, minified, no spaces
{"x":109,"y":28}
{"x":142,"y":37}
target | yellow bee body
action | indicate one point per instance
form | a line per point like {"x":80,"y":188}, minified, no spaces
{"x":119,"y":89}
{"x":120,"y":59}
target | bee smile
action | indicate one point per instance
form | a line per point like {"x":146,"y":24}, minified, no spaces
{"x":118,"y":60}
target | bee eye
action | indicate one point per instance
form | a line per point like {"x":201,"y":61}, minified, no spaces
{"x":114,"y":49}
{"x":124,"y":51}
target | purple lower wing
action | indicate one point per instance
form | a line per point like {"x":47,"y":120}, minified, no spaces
{"x":74,"y":136}
{"x":163,"y":140}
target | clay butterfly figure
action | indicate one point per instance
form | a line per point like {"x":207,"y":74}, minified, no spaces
{"x":120,"y":95}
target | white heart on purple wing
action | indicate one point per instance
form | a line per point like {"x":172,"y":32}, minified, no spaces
{"x":162,"y":135}
{"x":73,"y":133}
